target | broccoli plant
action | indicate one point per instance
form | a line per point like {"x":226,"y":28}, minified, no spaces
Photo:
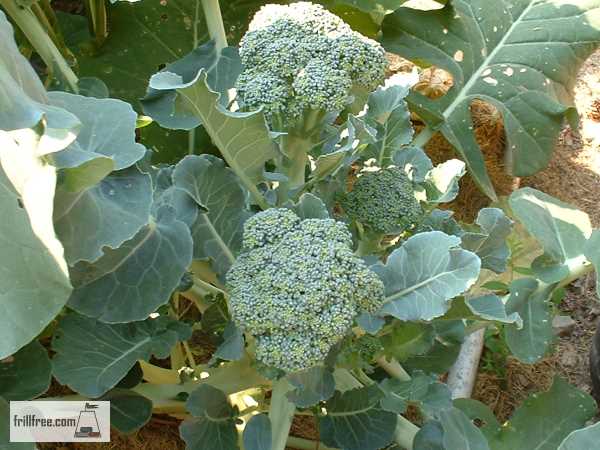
{"x":311,"y":269}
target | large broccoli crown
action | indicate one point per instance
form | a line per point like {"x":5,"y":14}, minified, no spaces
{"x":300,"y":57}
{"x":297,"y":287}
{"x":384,"y":201}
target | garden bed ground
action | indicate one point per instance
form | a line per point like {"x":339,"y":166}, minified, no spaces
{"x":573,"y":176}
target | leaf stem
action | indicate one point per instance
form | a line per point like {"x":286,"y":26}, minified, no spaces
{"x":393,"y":368}
{"x":214,"y":22}
{"x":423,"y":137}
{"x":281,"y":414}
{"x":39,"y":39}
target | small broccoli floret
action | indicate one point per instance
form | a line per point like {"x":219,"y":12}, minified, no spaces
{"x":383,"y":201}
{"x":309,"y":57}
{"x":297,"y":287}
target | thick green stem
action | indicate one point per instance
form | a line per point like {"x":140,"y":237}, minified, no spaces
{"x":44,"y":46}
{"x":423,"y":137}
{"x":405,"y":433}
{"x":214,"y":22}
{"x":393,"y":368}
{"x":281,"y":414}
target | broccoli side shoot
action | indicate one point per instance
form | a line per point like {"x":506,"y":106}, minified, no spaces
{"x":383,"y":201}
{"x":301,"y":57}
{"x":297,"y":287}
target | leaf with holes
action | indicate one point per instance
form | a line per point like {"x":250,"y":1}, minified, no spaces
{"x":524,"y":62}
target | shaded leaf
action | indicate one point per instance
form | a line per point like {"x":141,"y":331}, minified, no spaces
{"x":311,"y":386}
{"x":92,"y":357}
{"x":408,"y":339}
{"x":27,"y":375}
{"x":129,"y":411}
{"x":232,"y":348}
{"x":414,"y":161}
{"x":257,"y":434}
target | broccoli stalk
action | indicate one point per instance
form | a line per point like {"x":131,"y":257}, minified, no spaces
{"x":301,"y":65}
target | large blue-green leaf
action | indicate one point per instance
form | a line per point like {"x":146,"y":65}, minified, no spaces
{"x":222,"y":70}
{"x":167,"y":194}
{"x":311,"y":386}
{"x":353,"y":410}
{"x":388,"y":6}
{"x":583,"y":439}
{"x":92,"y":357}
{"x":592,"y":253}
{"x":242,"y":138}
{"x":130,"y":282}
{"x":561,"y":229}
{"x":26,"y":374}
{"x":490,"y":243}
{"x":423,"y":391}
{"x":426,"y":272}
{"x":129,"y":411}
{"x":106,"y":141}
{"x":524,"y":62}
{"x":102,"y":216}
{"x":460,"y":432}
{"x":544,"y":420}
{"x":486,"y":307}
{"x":258,"y":433}
{"x":213,"y":424}
{"x":407,"y":339}
{"x":34,"y":285}
{"x":217,"y":231}
{"x":530,"y":300}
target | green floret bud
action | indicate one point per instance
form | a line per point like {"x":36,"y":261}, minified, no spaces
{"x":297,"y":287}
{"x":319,"y":86}
{"x":383,"y":201}
{"x":311,"y":51}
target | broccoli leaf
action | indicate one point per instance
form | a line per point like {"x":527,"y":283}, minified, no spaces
{"x":258,"y":433}
{"x":92,"y":357}
{"x":582,"y":439}
{"x":486,"y":307}
{"x":530,"y":300}
{"x":232,"y":348}
{"x":26,"y":374}
{"x":408,"y":339}
{"x":543,"y":421}
{"x":353,"y":410}
{"x":218,"y":229}
{"x":311,"y":207}
{"x":242,"y":138}
{"x":592,"y":252}
{"x":423,"y":391}
{"x":426,"y":272}
{"x":103,"y":216}
{"x":222,"y":69}
{"x":130,"y":282}
{"x":213,"y":424}
{"x":524,"y":62}
{"x":460,"y":432}
{"x":430,"y":436}
{"x":441,"y":183}
{"x":167,"y":194}
{"x":490,"y":244}
{"x":414,"y":161}
{"x":129,"y":411}
{"x":561,"y":229}
{"x":94,"y":154}
{"x":311,"y":386}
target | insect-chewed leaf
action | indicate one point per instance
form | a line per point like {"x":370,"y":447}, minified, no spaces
{"x":103,"y":216}
{"x":129,"y":411}
{"x":218,"y":229}
{"x":167,"y":194}
{"x":414,"y":161}
{"x":356,"y":421}
{"x":426,"y":272}
{"x":441,"y":183}
{"x":92,"y":357}
{"x":95,"y":153}
{"x":490,"y":244}
{"x":27,"y":374}
{"x":213,"y":425}
{"x":130,"y":282}
{"x":492,"y":60}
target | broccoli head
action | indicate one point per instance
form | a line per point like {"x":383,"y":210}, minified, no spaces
{"x":301,"y":57}
{"x":383,"y":201}
{"x":297,"y":287}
